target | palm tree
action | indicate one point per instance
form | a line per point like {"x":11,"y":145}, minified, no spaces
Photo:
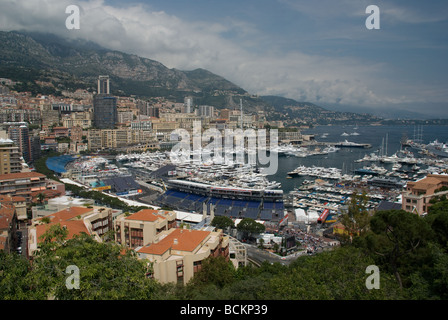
{"x":40,"y":197}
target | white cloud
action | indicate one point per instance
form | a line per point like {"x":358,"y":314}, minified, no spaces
{"x":188,"y":45}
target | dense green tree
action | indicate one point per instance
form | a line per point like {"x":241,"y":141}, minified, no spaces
{"x":214,"y":270}
{"x":251,"y":283}
{"x":437,"y":218}
{"x":430,"y":280}
{"x":440,"y":277}
{"x":356,"y":219}
{"x":249,"y":226}
{"x":399,"y":241}
{"x":106,"y":271}
{"x":13,"y":270}
{"x":337,"y":274}
{"x":223,"y":222}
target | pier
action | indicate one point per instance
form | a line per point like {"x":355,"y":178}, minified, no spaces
{"x":344,"y":144}
{"x":347,"y":144}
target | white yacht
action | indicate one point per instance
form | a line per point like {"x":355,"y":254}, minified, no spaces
{"x":330,"y":149}
{"x":392,"y":159}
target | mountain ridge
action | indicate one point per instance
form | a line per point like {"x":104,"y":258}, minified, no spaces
{"x":88,"y":60}
{"x":71,"y":64}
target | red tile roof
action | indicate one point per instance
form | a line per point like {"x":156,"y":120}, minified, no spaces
{"x":6,"y":215}
{"x":74,"y":227}
{"x":21,"y":175}
{"x":146,"y":215}
{"x":64,"y":218}
{"x":187,"y":240}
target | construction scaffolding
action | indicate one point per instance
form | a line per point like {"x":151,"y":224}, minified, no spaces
{"x":238,"y":253}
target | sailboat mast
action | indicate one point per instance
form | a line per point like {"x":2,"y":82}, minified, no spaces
{"x":387,"y":141}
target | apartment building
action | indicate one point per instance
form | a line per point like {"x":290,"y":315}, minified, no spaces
{"x":107,"y":138}
{"x":49,"y":116}
{"x":95,"y":221}
{"x":61,"y":132}
{"x":206,"y":111}
{"x":145,"y":124}
{"x":94,"y":139}
{"x":116,"y":138}
{"x":77,"y":147}
{"x":105,"y":113}
{"x":19,"y":203}
{"x":177,"y":254}
{"x":19,"y":133}
{"x":20,"y":115}
{"x":416,"y":196}
{"x":290,"y":136}
{"x":68,"y":107}
{"x":163,"y":128}
{"x":225,"y":114}
{"x":57,"y":186}
{"x":153,"y":111}
{"x":142,"y":227}
{"x":125,"y":117}
{"x":8,"y":224}
{"x":143,"y":147}
{"x":10,"y":157}
{"x":76,"y":134}
{"x":183,"y":120}
{"x":81,"y":119}
{"x":22,"y":184}
{"x":100,"y":222}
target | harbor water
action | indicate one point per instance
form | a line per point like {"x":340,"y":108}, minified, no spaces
{"x":384,"y":140}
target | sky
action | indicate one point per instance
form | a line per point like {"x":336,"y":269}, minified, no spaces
{"x":318,"y":51}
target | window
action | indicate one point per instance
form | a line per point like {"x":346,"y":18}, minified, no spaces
{"x":180,"y":271}
{"x":197,"y":265}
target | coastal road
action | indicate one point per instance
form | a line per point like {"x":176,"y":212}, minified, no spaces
{"x":258,"y":256}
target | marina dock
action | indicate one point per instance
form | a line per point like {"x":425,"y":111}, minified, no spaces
{"x":344,"y":144}
{"x":348,"y":144}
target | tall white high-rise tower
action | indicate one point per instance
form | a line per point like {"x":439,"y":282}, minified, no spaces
{"x":103,"y":85}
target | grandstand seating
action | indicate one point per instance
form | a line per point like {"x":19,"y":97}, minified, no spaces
{"x":121,"y":184}
{"x":223,"y":207}
{"x":266,"y":214}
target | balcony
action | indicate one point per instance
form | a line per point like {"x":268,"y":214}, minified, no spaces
{"x":408,"y":195}
{"x":225,"y":241}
